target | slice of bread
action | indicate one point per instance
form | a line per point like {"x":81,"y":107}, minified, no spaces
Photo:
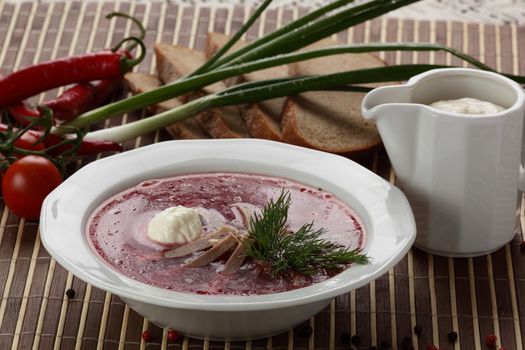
{"x":174,"y":62}
{"x":186,"y":129}
{"x":263,"y":118}
{"x":327,"y":121}
{"x":330,"y":121}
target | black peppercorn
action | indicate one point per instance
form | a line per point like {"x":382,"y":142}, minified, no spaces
{"x":452,"y":337}
{"x":406,"y":344}
{"x":70,"y":293}
{"x":417,"y":329}
{"x":345,"y":338}
{"x":385,"y":345}
{"x":356,"y":340}
{"x":305,"y":331}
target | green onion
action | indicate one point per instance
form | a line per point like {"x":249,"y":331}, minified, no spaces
{"x":194,"y":83}
{"x":131,"y":104}
{"x":258,"y":91}
{"x":269,"y":51}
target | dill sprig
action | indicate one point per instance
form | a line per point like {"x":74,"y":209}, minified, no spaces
{"x":303,"y":251}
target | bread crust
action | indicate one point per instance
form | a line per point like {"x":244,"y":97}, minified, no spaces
{"x":258,"y":123}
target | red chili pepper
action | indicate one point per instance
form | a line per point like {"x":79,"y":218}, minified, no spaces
{"x":87,"y":147}
{"x":48,"y":75}
{"x":74,"y":101}
{"x":22,"y":113}
{"x":82,"y":98}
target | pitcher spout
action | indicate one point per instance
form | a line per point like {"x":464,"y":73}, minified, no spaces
{"x":377,"y":100}
{"x":399,"y":121}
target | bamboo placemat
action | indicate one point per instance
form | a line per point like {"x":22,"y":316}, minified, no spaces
{"x":474,"y":297}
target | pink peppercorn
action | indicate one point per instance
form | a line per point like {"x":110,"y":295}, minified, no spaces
{"x":172,"y":336}
{"x":146,"y":336}
{"x":490,"y":340}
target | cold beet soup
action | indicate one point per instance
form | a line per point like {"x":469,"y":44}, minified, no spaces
{"x":118,"y":231}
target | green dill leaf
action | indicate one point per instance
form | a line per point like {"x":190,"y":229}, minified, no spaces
{"x":303,"y":251}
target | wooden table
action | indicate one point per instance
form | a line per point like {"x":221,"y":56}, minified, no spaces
{"x":474,"y":297}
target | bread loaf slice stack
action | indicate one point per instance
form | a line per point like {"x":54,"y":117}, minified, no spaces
{"x":174,"y":62}
{"x":327,"y":120}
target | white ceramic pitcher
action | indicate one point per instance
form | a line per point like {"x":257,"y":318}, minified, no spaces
{"x":461,"y":173}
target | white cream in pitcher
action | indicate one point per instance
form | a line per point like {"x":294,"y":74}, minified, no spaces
{"x":467,"y":105}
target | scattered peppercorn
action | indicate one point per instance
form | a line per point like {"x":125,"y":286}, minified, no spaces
{"x":146,"y":336}
{"x":522,"y":246}
{"x":385,"y":345}
{"x":406,"y":344}
{"x":452,"y":337}
{"x":417,"y":329}
{"x":70,"y":293}
{"x":172,"y":336}
{"x":305,"y":331}
{"x":345,"y":338}
{"x":356,"y":340}
{"x":490,"y":340}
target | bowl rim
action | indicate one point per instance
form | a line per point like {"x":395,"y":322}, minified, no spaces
{"x":61,"y":220}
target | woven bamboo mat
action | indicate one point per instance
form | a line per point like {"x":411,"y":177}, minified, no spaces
{"x":474,"y":297}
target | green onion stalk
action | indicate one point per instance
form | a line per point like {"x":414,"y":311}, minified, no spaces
{"x":271,"y":50}
{"x":250,"y":92}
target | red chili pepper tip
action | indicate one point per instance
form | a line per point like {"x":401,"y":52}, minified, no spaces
{"x":173,"y":336}
{"x":522,"y":246}
{"x":146,"y":336}
{"x":502,"y":348}
{"x":490,"y":340}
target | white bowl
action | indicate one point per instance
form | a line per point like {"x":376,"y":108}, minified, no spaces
{"x":384,"y":210}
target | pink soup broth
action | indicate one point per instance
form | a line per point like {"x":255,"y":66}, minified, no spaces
{"x":117,"y":230}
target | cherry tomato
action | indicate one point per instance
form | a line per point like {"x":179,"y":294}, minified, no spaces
{"x":28,"y":142}
{"x":27,"y":182}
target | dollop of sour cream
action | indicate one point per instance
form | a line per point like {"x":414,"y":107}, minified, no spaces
{"x":467,"y":105}
{"x":175,"y":225}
